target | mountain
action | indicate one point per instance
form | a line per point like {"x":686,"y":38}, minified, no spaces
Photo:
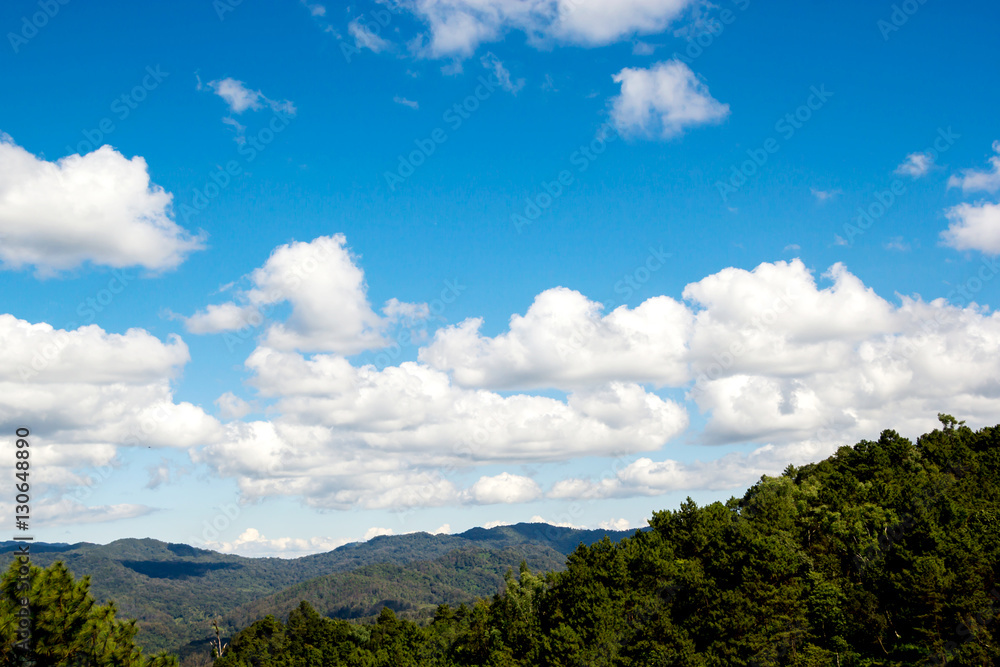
{"x":176,"y":590}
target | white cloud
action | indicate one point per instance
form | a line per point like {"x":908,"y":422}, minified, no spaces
{"x":327,"y":292}
{"x":643,"y":49}
{"x":443,"y":530}
{"x":493,"y":64}
{"x":916,"y":165}
{"x":405,"y":102}
{"x":565,"y":341}
{"x":99,"y":208}
{"x":663,"y":101}
{"x":315,"y":9}
{"x":457,"y":27}
{"x":251,"y":543}
{"x":825,"y":195}
{"x":972,"y":180}
{"x":240,"y":98}
{"x":897,"y":243}
{"x":69,"y":512}
{"x":758,"y":352}
{"x":346,"y":436}
{"x":770,"y":365}
{"x":376,"y":532}
{"x":614,"y":524}
{"x":232,"y":406}
{"x":974,"y":227}
{"x":365,"y":38}
{"x":400,"y":311}
{"x":87,"y":393}
{"x":645,"y":477}
{"x":874,"y":366}
{"x":562,"y":524}
{"x":218,"y":318}
{"x":504,"y":488}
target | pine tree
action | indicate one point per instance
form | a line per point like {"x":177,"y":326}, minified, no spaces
{"x":67,"y":626}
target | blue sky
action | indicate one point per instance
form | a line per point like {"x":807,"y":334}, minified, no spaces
{"x":322,"y":252}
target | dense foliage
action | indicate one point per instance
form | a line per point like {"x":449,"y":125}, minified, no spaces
{"x":66,"y":626}
{"x":885,"y":554}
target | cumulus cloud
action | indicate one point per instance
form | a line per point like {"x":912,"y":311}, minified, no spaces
{"x":87,"y":392}
{"x":614,"y":524}
{"x":769,"y":365}
{"x":972,"y":180}
{"x":218,"y":318}
{"x":794,"y":363}
{"x":916,"y":165}
{"x":871,"y":366}
{"x":974,"y":227}
{"x":99,"y":208}
{"x":375,"y":531}
{"x":232,"y":406}
{"x":503,"y":488}
{"x":458,"y":27}
{"x":327,"y":292}
{"x":645,"y":477}
{"x":346,"y":436}
{"x":565,"y":341}
{"x":663,"y":101}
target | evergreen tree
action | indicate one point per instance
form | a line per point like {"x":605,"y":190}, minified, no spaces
{"x":67,"y":626}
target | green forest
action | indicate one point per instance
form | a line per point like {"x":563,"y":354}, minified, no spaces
{"x":886,"y":553}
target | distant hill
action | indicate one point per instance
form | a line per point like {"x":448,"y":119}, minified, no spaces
{"x":176,"y":590}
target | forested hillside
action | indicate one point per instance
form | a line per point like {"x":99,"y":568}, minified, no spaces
{"x":175,"y":591}
{"x":887,"y":553}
